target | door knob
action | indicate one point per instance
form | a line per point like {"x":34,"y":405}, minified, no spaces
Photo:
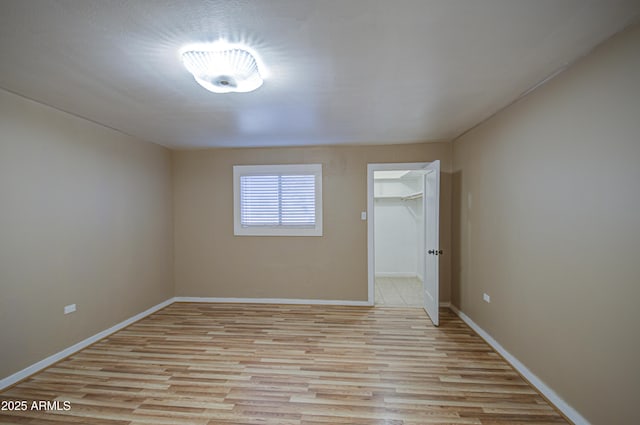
{"x":435,"y":252}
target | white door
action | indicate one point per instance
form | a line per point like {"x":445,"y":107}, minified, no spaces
{"x":431,"y":207}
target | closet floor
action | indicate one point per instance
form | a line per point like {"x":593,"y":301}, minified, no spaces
{"x":398,"y":291}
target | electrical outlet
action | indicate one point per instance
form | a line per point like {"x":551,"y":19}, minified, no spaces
{"x":486,"y":298}
{"x":69,"y":308}
{"x":363,"y":215}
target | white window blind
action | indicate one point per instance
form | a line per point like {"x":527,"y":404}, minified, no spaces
{"x":278,"y":200}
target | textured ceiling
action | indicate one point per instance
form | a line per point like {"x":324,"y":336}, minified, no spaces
{"x":340,"y":72}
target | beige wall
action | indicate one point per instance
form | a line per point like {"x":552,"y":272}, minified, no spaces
{"x":552,"y":231}
{"x":211,"y":262}
{"x":85,"y":218}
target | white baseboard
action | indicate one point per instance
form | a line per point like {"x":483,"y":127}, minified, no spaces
{"x":445,"y":304}
{"x":36,"y":367}
{"x":270,"y":301}
{"x":551,"y":395}
{"x":396,"y":274}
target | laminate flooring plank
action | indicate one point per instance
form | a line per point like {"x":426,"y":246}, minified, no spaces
{"x":239,"y":364}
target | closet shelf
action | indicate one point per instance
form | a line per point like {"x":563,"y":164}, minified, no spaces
{"x":408,"y":197}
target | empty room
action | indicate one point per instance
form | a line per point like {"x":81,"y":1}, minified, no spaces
{"x":319,"y":212}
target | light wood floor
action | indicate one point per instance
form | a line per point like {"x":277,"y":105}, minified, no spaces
{"x":267,"y":364}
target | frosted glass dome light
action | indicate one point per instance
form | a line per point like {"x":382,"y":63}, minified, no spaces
{"x":223,"y":69}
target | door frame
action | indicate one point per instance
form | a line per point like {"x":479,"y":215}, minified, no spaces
{"x":371,"y":168}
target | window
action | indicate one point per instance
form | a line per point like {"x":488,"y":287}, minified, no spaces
{"x":277,"y":200}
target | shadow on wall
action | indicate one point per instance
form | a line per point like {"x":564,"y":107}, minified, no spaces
{"x":456,"y":237}
{"x":446,"y":260}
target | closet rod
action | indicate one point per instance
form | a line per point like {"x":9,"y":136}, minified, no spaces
{"x":412,"y":196}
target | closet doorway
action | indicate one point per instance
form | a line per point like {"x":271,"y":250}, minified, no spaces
{"x":403,"y":237}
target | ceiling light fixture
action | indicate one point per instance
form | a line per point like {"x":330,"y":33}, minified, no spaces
{"x":222,"y":67}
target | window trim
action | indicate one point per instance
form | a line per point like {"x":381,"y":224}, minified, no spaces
{"x":292,"y":169}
